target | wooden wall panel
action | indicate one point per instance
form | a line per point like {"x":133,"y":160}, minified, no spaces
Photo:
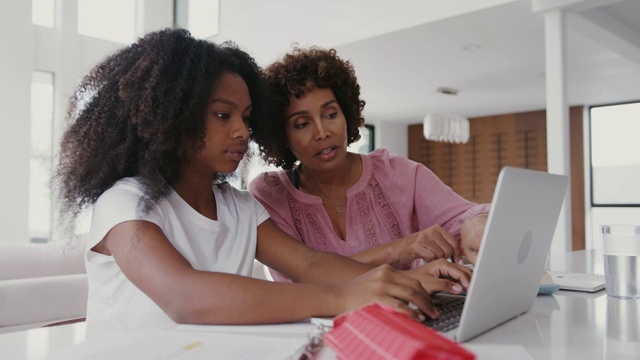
{"x":518,"y":140}
{"x":577,"y":177}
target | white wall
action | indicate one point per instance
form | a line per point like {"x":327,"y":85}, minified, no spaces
{"x":15,"y":114}
{"x":391,"y":135}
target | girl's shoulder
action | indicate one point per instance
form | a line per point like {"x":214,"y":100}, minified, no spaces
{"x":237,"y":202}
{"x":231,"y":192}
{"x":121,"y":202}
{"x":125,"y":188}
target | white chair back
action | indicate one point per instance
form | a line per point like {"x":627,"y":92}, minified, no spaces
{"x":41,"y":284}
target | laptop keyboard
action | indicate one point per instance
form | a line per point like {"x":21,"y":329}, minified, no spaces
{"x":450,"y":309}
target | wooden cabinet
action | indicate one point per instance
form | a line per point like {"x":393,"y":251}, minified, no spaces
{"x":518,"y":140}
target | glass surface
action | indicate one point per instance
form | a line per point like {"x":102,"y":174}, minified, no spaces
{"x":622,"y":320}
{"x":621,"y":249}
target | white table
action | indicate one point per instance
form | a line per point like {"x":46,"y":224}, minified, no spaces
{"x":566,"y":325}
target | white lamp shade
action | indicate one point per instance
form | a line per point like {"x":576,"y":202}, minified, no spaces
{"x":452,"y":128}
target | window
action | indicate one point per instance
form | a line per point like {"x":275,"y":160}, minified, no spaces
{"x":200,"y":17}
{"x":112,"y":20}
{"x":41,"y":156}
{"x":249,"y":168}
{"x":43,"y":12}
{"x":615,"y":155}
{"x":366,"y":143}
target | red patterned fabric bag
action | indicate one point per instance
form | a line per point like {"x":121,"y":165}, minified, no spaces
{"x":377,"y":331}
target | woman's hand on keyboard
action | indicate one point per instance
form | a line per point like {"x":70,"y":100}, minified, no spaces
{"x":442,"y":275}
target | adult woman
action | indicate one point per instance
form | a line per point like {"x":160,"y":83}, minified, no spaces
{"x":154,"y":129}
{"x":377,"y":208}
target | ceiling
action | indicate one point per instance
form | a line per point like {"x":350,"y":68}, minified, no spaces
{"x":403,"y":50}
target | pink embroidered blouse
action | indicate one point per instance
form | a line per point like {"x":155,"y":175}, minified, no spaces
{"x":393,"y":198}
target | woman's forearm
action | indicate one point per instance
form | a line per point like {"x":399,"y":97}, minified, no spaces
{"x":388,"y":253}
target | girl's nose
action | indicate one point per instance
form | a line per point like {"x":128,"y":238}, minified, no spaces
{"x":241,"y":129}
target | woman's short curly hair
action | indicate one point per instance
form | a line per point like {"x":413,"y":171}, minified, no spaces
{"x":295,"y":74}
{"x":136,"y":112}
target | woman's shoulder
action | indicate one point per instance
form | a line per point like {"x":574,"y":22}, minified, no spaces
{"x":381,"y":159}
{"x":268,"y":182}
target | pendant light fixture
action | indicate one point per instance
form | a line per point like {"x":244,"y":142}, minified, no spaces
{"x":446,"y":127}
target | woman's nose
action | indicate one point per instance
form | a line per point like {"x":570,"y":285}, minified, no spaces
{"x":320,"y":131}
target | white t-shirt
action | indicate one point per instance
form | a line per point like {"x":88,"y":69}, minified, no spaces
{"x":227,"y":245}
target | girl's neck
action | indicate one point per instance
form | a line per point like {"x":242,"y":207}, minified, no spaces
{"x":198,"y":193}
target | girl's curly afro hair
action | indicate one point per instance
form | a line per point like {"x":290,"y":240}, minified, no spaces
{"x":137,"y":111}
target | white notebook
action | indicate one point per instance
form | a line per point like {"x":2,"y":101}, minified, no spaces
{"x":577,"y":281}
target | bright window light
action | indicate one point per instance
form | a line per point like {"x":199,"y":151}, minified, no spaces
{"x":200,"y":17}
{"x":43,"y":12}
{"x":112,"y":20}
{"x":366,"y":143}
{"x":40,"y":212}
{"x":203,"y":18}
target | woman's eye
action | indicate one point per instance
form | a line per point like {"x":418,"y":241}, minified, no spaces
{"x":332,"y":115}
{"x":246,"y":119}
{"x":301,"y":125}
{"x":223,"y":116}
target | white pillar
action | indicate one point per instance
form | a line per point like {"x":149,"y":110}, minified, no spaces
{"x":16,"y":37}
{"x":153,"y":15}
{"x":558,"y":150}
{"x":67,"y":69}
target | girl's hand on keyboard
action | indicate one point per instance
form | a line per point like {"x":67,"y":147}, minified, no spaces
{"x":389,"y":286}
{"x":441,"y":275}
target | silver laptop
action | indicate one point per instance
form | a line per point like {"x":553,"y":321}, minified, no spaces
{"x":524,"y":213}
{"x":517,"y":238}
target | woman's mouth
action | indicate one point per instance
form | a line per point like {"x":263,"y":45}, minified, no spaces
{"x":327,"y":152}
